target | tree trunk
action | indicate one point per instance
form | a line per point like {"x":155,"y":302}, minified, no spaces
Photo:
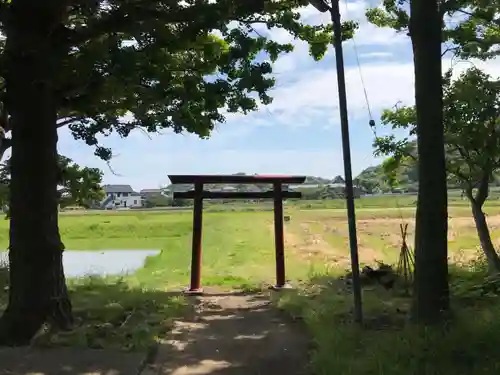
{"x":483,"y":233}
{"x":38,"y":290}
{"x":431,"y":290}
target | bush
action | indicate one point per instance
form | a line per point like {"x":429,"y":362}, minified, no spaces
{"x":387,"y":344}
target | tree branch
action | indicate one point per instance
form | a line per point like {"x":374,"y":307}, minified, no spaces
{"x":449,"y":49}
{"x":5,"y":144}
{"x":459,"y":174}
{"x":120,"y":19}
{"x":449,"y":6}
{"x":455,"y":6}
{"x":465,"y":156}
{"x":483,"y":189}
{"x":68,"y":120}
{"x":492,"y":22}
{"x":468,"y":193}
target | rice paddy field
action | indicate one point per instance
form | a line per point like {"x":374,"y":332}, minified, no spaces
{"x":238,"y":253}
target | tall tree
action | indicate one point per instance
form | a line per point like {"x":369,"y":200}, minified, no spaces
{"x":34,"y":52}
{"x":475,"y":33}
{"x":472,"y":124}
{"x":113,"y":66}
{"x":431,"y":290}
{"x":472,"y":142}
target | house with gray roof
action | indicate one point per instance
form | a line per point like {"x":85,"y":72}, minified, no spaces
{"x":120,"y":197}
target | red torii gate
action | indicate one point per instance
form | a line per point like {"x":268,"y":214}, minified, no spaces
{"x":198,"y":194}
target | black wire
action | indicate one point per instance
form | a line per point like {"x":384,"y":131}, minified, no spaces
{"x":371,"y":121}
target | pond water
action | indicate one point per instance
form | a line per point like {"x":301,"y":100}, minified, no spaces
{"x":101,"y":262}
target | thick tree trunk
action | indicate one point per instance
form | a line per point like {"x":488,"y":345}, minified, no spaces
{"x":483,"y":233}
{"x":431,"y":294}
{"x":38,"y":290}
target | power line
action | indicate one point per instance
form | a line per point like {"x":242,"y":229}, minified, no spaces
{"x":360,"y":71}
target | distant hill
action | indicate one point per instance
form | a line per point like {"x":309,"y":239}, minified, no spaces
{"x":316,"y":180}
{"x":373,"y":179}
{"x":370,"y":180}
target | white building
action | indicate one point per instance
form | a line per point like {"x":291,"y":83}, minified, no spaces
{"x":119,"y":197}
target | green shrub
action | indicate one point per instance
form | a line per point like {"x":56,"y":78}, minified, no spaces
{"x":388,"y":344}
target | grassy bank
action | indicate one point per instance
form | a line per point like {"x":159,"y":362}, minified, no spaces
{"x":133,"y":311}
{"x":387,"y":344}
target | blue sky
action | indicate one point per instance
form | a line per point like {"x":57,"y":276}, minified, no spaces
{"x":298,"y":133}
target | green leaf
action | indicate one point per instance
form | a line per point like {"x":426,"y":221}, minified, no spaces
{"x":474,"y":32}
{"x":471,"y":106}
{"x":77,"y":185}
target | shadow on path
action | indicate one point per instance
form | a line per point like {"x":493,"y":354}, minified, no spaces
{"x":232,"y":333}
{"x":68,"y":361}
{"x":222,"y":333}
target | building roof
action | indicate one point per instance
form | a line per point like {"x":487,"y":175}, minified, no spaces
{"x":340,"y":185}
{"x":118,"y":189}
{"x":151,"y":191}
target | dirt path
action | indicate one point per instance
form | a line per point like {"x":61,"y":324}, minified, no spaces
{"x":232,"y":334}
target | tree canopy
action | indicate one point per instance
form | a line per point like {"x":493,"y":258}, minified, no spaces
{"x":182,"y":65}
{"x":77,"y":185}
{"x":471,"y":106}
{"x":473,"y":33}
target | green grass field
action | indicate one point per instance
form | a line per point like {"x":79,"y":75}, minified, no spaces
{"x":238,"y":253}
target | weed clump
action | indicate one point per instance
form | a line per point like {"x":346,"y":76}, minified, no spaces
{"x":388,"y":343}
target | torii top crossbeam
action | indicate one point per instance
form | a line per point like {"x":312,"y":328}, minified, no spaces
{"x":236,"y":179}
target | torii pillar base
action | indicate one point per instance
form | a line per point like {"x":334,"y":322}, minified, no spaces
{"x":193,"y":292}
{"x":278,"y":288}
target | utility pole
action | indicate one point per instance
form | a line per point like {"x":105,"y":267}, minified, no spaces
{"x":334,"y":10}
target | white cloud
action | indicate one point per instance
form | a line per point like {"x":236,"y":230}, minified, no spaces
{"x":316,"y":91}
{"x":492,"y":67}
{"x":366,"y":35}
{"x":228,"y":161}
{"x":306,"y":90}
{"x":305,"y":95}
{"x":310,"y":100}
{"x":371,"y":55}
